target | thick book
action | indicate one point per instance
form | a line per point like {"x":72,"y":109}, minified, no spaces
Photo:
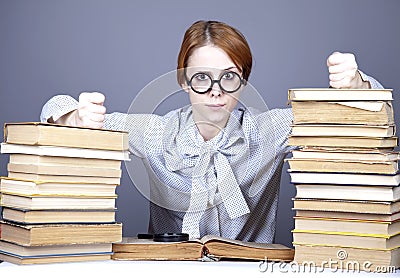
{"x":345,"y":178}
{"x":343,"y":130}
{"x":63,"y":170}
{"x":24,"y":216}
{"x":35,"y":202}
{"x":54,"y":250}
{"x":345,"y":239}
{"x":343,"y":165}
{"x":64,"y":178}
{"x":45,"y":134}
{"x":315,"y":214}
{"x":58,"y":234}
{"x":64,"y":152}
{"x":48,"y":188}
{"x":346,"y":206}
{"x":347,"y":225}
{"x":349,"y":112}
{"x":343,"y":141}
{"x":348,"y":192}
{"x":208,"y":247}
{"x":331,"y":94}
{"x":353,"y":154}
{"x":348,"y":258}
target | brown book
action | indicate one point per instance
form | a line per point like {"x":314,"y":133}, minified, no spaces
{"x":346,"y":206}
{"x":64,"y":178}
{"x":64,"y":161}
{"x":34,"y":133}
{"x":58,"y":234}
{"x":343,"y":165}
{"x":58,"y":216}
{"x":48,"y":188}
{"x":337,"y":141}
{"x":331,"y":94}
{"x":343,"y":130}
{"x":63,"y":170}
{"x":325,"y":112}
{"x":348,"y":192}
{"x":348,"y":215}
{"x":36,"y":202}
{"x":354,"y":240}
{"x":353,"y":154}
{"x":348,"y":258}
{"x":26,"y":252}
{"x":347,"y":225}
{"x":212,"y":247}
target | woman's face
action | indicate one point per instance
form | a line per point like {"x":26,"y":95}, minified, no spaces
{"x":214,"y":106}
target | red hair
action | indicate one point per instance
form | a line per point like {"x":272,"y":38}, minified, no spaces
{"x":221,"y":35}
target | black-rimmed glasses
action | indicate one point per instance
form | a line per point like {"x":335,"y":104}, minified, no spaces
{"x":229,"y":82}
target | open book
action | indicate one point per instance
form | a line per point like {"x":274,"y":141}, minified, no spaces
{"x":207,"y":248}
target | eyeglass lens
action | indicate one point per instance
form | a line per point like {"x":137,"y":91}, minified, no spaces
{"x":229,"y":82}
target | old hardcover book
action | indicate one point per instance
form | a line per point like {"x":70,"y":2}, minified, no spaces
{"x":64,"y":178}
{"x":35,"y":133}
{"x":35,"y":202}
{"x":209,"y":246}
{"x":63,"y":170}
{"x":345,"y":178}
{"x":347,"y":225}
{"x":54,"y":250}
{"x":58,"y":234}
{"x":58,"y":216}
{"x":64,"y":152}
{"x":343,"y":165}
{"x":331,"y":94}
{"x":348,"y":192}
{"x":343,"y":130}
{"x":343,"y":141}
{"x":27,"y":187}
{"x":348,"y":112}
{"x":353,"y":154}
{"x":346,"y":206}
{"x":345,"y":239}
{"x":348,"y":258}
{"x":348,"y":215}
{"x":64,"y":161}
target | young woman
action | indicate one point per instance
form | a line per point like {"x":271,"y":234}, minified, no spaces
{"x":213,"y":169}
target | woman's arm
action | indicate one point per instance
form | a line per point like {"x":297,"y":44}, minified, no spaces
{"x":90,"y":112}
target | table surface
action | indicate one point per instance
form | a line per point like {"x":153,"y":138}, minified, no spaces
{"x":175,"y":269}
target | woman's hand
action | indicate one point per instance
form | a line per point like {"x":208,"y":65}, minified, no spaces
{"x":90,"y":113}
{"x":343,"y":72}
{"x":91,"y":110}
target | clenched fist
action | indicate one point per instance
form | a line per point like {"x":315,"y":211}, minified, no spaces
{"x":91,"y":110}
{"x":343,"y":71}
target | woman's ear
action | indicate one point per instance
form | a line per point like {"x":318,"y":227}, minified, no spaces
{"x":185,"y":87}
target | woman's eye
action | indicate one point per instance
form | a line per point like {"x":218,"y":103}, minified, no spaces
{"x":228,"y":75}
{"x":201,"y":76}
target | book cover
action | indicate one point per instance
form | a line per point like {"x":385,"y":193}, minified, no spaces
{"x":36,"y":133}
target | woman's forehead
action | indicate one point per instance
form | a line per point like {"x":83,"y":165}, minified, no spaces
{"x":210,"y":57}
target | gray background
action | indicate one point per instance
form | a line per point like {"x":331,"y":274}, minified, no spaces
{"x":117,"y":47}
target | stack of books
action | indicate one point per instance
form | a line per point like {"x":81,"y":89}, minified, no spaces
{"x":347,"y":178}
{"x":58,"y":200}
